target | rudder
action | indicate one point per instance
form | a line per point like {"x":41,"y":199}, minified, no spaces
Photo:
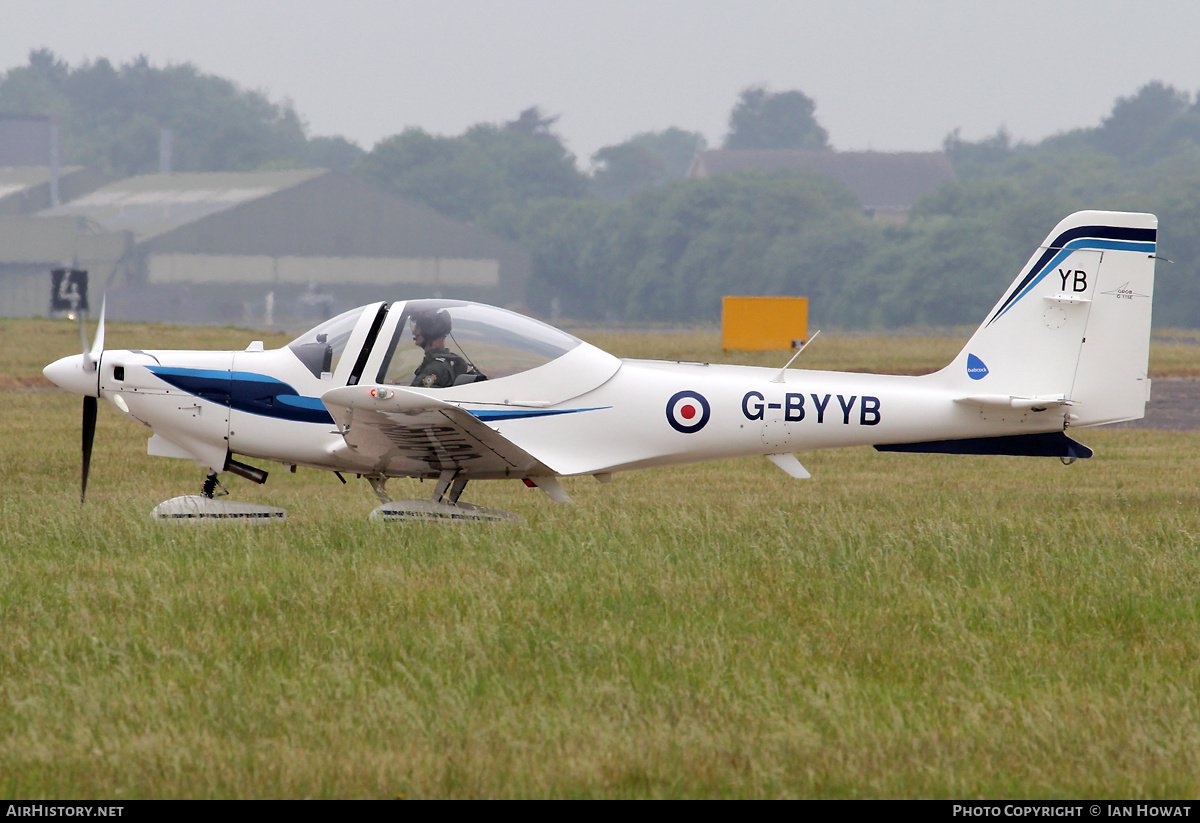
{"x":1112,"y":381}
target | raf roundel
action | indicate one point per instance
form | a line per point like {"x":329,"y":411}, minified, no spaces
{"x":687,"y":412}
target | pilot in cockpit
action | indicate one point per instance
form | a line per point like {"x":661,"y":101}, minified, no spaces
{"x":440,"y":367}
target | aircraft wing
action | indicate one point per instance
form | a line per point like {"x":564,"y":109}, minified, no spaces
{"x":401,"y":431}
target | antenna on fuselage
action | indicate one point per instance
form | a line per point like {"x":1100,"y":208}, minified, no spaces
{"x":782,"y":376}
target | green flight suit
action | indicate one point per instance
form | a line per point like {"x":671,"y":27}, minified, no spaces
{"x":439,"y":369}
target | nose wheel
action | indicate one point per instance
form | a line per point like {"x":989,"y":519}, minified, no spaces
{"x":204,"y":508}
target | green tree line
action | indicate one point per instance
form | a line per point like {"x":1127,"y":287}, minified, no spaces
{"x":631,"y":238}
{"x":110,"y":118}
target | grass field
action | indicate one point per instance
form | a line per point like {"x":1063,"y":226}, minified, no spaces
{"x":898,"y":626}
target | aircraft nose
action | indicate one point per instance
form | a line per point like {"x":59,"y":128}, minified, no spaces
{"x":69,"y":373}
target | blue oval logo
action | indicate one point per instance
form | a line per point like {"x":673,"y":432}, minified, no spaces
{"x":976,"y":370}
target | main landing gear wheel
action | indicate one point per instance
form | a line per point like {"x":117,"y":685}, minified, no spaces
{"x":443,"y":507}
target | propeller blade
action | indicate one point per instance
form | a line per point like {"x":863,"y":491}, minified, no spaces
{"x":92,"y":358}
{"x":89,"y":434}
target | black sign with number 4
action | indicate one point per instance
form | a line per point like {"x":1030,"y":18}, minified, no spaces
{"x":68,"y":290}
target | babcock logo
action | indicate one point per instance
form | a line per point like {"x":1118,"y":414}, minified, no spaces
{"x":975,"y":368}
{"x":687,"y":412}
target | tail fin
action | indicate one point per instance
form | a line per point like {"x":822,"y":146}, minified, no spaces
{"x":1074,"y":327}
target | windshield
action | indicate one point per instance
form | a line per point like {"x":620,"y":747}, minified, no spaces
{"x":321,"y":348}
{"x":479,"y":343}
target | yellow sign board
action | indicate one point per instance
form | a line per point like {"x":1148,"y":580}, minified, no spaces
{"x":763,"y":323}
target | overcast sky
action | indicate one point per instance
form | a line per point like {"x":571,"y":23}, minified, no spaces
{"x":884,"y":75}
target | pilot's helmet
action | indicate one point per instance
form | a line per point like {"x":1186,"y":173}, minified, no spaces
{"x":433,"y":323}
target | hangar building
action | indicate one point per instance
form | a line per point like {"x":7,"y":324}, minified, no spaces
{"x":268,"y":247}
{"x":32,"y":246}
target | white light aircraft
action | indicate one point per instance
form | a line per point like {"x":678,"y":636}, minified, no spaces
{"x":1066,"y":347}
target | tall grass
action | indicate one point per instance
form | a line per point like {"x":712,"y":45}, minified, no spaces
{"x":899,"y":626}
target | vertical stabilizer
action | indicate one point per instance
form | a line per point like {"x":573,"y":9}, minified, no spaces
{"x":1075,"y":324}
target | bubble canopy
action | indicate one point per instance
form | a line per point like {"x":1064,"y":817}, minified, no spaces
{"x":497,"y":342}
{"x":321,"y":349}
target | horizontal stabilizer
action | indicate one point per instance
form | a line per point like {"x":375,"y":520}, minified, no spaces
{"x":1050,"y":444}
{"x":1008,"y":401}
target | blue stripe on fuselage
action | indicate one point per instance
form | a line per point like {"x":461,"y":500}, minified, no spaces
{"x":488,"y":416}
{"x":267,"y":397}
{"x":246,"y":392}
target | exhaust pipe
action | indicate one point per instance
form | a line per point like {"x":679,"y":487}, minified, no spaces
{"x":244,"y":471}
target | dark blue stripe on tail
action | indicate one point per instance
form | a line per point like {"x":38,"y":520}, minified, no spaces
{"x":1098,"y":232}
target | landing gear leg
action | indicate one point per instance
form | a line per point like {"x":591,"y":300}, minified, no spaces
{"x":211,"y":484}
{"x":379,"y":486}
{"x":449,"y":487}
{"x":456,"y":490}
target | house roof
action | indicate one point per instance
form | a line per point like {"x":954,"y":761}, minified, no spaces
{"x":881,"y":180}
